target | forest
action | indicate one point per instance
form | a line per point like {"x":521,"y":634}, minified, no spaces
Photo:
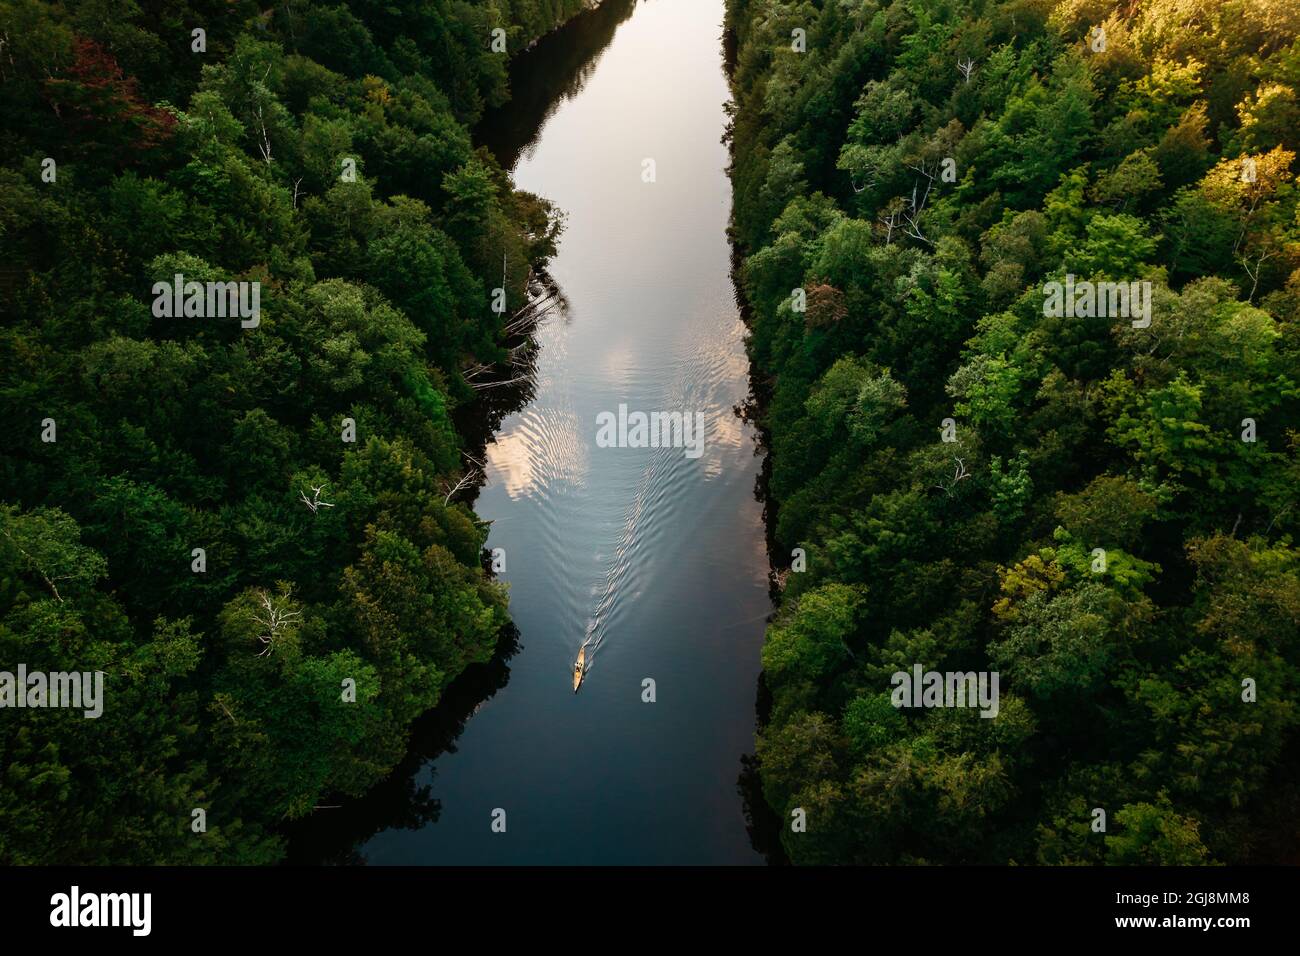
{"x":251,"y":528}
{"x":1102,"y":512}
{"x":1022,"y":284}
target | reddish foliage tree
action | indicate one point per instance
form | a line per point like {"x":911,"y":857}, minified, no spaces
{"x":103,"y":108}
{"x":825,"y":306}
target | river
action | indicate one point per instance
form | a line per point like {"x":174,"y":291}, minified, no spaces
{"x":652,"y":556}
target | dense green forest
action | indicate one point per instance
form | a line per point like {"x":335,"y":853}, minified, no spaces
{"x":322,"y":150}
{"x":1101,"y":511}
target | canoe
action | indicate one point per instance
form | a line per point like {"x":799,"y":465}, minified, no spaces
{"x":579,"y":667}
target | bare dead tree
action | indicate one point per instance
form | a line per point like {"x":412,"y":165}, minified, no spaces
{"x":853,"y":181}
{"x":39,"y":570}
{"x":263,"y":147}
{"x":1279,"y":514}
{"x":264,"y":144}
{"x":479,"y":386}
{"x":519,"y":359}
{"x":915,"y":206}
{"x":913,"y":227}
{"x":314,"y":502}
{"x":966,"y":66}
{"x":288,"y":20}
{"x":959,"y":474}
{"x":466,"y":481}
{"x":928,"y":170}
{"x":1244,"y":262}
{"x":273,"y":620}
{"x":894,"y":213}
{"x":531,"y":312}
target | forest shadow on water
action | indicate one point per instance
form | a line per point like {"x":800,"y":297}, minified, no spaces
{"x":762,"y":823}
{"x":333,"y":834}
{"x":554,"y":69}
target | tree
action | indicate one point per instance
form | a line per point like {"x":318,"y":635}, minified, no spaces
{"x":106,"y":116}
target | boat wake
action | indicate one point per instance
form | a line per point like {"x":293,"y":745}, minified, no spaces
{"x":665,"y":480}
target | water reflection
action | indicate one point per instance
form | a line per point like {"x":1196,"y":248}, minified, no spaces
{"x":552,"y":72}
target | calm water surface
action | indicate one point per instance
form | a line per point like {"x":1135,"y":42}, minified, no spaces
{"x":656,"y":559}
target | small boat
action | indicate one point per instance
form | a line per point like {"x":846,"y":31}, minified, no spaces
{"x":579,"y":668}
